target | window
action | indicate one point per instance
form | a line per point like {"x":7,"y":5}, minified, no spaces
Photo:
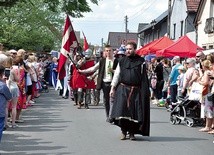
{"x":145,"y":39}
{"x":150,"y":37}
{"x":182,"y":27}
{"x":158,"y":34}
{"x":204,"y":47}
{"x":174,"y":26}
{"x":212,"y":8}
{"x":210,"y":46}
{"x":209,"y":25}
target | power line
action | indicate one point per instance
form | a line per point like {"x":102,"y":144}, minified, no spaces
{"x":107,"y":19}
{"x":148,"y":6}
{"x":139,"y":10}
{"x":98,"y":21}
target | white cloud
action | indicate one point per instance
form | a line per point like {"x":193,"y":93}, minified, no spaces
{"x":109,"y":15}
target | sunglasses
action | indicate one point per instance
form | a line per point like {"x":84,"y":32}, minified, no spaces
{"x":198,"y":56}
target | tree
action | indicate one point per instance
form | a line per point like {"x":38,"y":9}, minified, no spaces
{"x":23,"y":26}
{"x":36,"y":24}
{"x":8,"y":3}
{"x":74,"y":8}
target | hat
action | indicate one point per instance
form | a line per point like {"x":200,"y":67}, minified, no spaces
{"x":176,"y":58}
{"x":13,"y":51}
{"x":121,"y":51}
{"x":190,"y":60}
{"x":181,"y":67}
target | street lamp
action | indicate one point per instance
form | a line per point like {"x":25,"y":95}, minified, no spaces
{"x":153,"y":26}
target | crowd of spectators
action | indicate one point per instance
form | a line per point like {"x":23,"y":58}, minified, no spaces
{"x":24,"y":74}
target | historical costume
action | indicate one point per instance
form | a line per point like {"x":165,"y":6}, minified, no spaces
{"x":90,"y":84}
{"x":131,"y":108}
{"x":54,"y":72}
{"x":78,"y":80}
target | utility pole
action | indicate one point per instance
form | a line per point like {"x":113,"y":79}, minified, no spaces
{"x":126,"y":26}
{"x":102,"y":43}
{"x":168,"y":17}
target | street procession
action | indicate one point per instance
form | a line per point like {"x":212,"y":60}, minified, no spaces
{"x":67,"y":88}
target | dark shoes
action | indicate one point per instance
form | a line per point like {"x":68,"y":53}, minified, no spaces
{"x":96,"y":103}
{"x":65,"y":97}
{"x":86,"y":107}
{"x":132,"y":137}
{"x":109,"y":120}
{"x":79,"y":106}
{"x":123,"y":136}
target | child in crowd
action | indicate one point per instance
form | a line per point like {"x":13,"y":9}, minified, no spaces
{"x":5,"y":96}
{"x":180,"y":80}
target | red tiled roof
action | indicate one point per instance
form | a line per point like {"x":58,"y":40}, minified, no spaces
{"x":192,"y":5}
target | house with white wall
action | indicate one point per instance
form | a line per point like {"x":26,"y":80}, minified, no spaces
{"x":204,"y":23}
{"x":182,"y":19}
{"x":156,"y":29}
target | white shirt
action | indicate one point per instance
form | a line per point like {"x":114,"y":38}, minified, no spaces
{"x":115,"y":79}
{"x":108,"y":76}
{"x":28,"y":80}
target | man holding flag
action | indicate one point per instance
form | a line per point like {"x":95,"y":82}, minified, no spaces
{"x":69,"y":46}
{"x":86,"y":78}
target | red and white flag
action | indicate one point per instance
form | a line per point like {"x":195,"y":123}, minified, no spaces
{"x":85,"y":45}
{"x":69,"y":44}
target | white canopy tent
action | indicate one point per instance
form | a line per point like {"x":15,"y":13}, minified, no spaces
{"x":207,"y":52}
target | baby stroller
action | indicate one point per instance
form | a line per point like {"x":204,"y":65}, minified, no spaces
{"x":44,"y":85}
{"x":188,"y":111}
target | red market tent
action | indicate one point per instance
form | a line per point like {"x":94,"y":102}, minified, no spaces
{"x":154,"y":46}
{"x":183,"y":47}
{"x":142,"y":51}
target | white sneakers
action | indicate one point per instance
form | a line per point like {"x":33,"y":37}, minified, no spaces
{"x":31,"y":102}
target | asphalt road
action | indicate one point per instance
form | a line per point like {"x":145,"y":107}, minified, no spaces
{"x":53,"y":126}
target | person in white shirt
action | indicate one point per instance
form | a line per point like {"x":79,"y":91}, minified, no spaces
{"x":105,"y":76}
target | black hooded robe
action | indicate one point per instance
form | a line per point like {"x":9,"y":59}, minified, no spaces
{"x":131,"y":108}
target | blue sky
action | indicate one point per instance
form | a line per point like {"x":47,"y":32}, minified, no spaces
{"x":109,"y":15}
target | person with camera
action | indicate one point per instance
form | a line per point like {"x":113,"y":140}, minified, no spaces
{"x":13,"y":79}
{"x":211,"y":94}
{"x":206,"y":105}
{"x":5,"y":96}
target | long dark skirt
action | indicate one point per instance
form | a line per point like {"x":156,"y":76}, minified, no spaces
{"x":127,"y":110}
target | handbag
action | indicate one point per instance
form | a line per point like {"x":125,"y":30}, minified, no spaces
{"x":210,"y":97}
{"x":196,"y":91}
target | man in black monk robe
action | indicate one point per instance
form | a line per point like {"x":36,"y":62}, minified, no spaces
{"x":130,"y":89}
